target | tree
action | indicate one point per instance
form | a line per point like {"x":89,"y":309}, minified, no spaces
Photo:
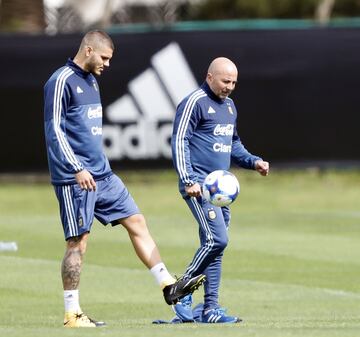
{"x":25,"y":16}
{"x":324,"y":9}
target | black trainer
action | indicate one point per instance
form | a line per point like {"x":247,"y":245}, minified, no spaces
{"x":182,"y":287}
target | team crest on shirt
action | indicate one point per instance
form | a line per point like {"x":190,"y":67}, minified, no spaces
{"x":230,"y":109}
{"x":211,"y":214}
{"x":95,"y":86}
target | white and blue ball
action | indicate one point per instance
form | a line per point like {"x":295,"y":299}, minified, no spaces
{"x":220,"y":188}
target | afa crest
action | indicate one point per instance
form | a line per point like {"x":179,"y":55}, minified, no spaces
{"x":230,"y":109}
{"x":212,"y":214}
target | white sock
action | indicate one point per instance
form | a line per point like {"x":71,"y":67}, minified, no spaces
{"x":71,"y":301}
{"x":162,"y":276}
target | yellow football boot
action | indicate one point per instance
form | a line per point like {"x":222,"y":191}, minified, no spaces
{"x":80,"y":320}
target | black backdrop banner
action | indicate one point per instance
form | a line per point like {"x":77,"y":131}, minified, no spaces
{"x":297,"y":95}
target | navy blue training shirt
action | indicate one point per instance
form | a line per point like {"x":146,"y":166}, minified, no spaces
{"x":205,"y":138}
{"x":73,"y":125}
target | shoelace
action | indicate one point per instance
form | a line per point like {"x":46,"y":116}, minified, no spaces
{"x":187,"y":301}
{"x":218,"y":311}
{"x":82,"y":316}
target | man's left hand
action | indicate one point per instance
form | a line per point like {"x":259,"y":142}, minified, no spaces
{"x":262,"y":167}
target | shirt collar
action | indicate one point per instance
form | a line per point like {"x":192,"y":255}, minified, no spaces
{"x":79,"y":71}
{"x":210,"y":93}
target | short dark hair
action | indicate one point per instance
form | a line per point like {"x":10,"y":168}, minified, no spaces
{"x":95,"y":38}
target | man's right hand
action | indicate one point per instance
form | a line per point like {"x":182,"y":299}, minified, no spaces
{"x":85,"y":180}
{"x":194,"y":190}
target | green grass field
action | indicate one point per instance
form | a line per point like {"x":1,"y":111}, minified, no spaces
{"x":292,"y":267}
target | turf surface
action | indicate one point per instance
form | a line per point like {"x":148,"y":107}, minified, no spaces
{"x":292,"y":266}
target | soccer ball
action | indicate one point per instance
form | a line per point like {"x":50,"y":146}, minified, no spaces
{"x":220,"y":188}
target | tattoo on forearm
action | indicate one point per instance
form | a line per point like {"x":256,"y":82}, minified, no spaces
{"x":70,"y":269}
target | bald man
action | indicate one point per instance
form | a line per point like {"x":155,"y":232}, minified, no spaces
{"x":83,"y":180}
{"x":205,"y":139}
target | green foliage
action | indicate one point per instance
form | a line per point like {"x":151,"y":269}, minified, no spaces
{"x":291,"y":268}
{"x":248,"y":9}
{"x":347,"y":8}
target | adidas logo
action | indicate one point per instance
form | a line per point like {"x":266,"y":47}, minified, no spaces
{"x":213,"y":318}
{"x":141,"y":120}
{"x":79,"y":90}
{"x":211,"y":110}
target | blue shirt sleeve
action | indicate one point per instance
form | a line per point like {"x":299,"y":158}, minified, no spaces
{"x":240,"y":155}
{"x":186,"y":120}
{"x":57,"y":98}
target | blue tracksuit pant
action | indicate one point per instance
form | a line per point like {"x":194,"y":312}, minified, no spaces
{"x":213,"y":232}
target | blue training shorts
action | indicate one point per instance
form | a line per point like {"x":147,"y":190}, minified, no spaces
{"x":110,"y":202}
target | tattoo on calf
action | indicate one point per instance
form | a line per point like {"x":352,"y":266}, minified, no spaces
{"x":71,"y":269}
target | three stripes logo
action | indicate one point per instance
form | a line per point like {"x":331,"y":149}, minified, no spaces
{"x":213,"y":318}
{"x":141,"y":120}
